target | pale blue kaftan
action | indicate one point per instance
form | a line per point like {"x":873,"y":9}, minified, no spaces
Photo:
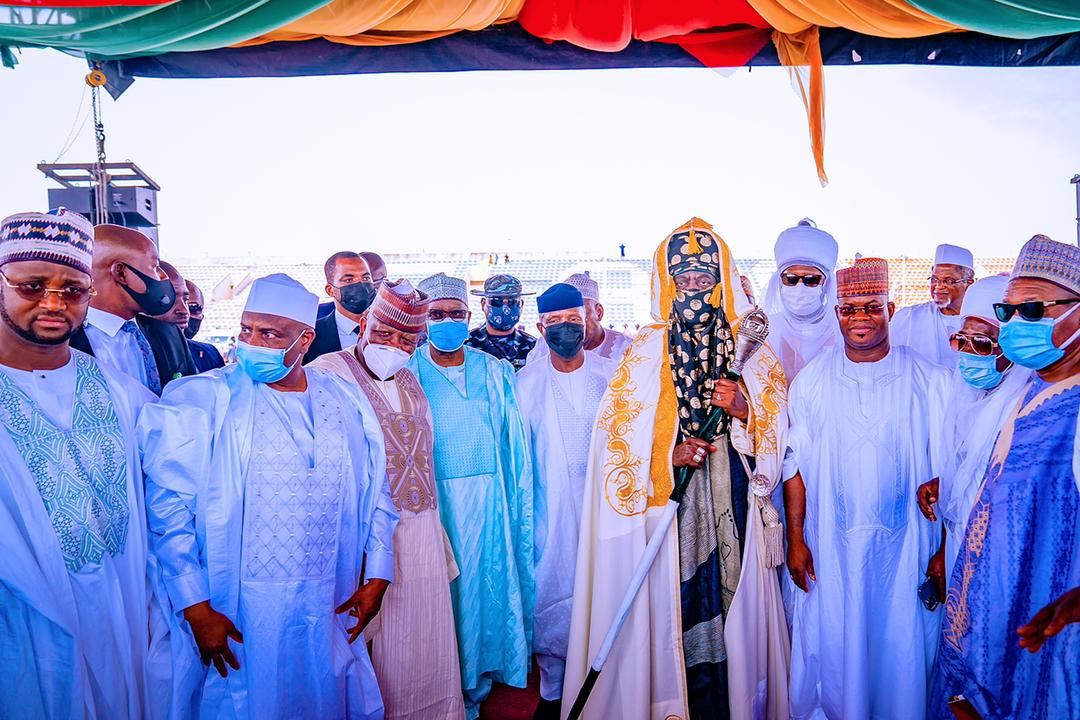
{"x":272,"y":518}
{"x":483,"y":475}
{"x":1021,"y":552}
{"x":74,"y":622}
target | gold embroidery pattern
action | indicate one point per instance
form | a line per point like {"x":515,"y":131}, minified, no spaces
{"x":770,"y":404}
{"x":622,"y":467}
{"x":957,"y":616}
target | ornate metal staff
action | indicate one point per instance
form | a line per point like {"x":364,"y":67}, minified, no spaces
{"x":753,"y":330}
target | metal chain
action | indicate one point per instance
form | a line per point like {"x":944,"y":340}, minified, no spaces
{"x":101,"y":184}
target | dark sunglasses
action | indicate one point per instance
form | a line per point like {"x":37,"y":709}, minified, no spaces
{"x":504,"y":301}
{"x":35,"y":291}
{"x":791,"y":279}
{"x":868,"y":310}
{"x":194,"y":308}
{"x":979,"y":344}
{"x":1031,"y":310}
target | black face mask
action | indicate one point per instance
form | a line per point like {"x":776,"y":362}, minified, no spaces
{"x":158,"y":297}
{"x":356,"y":298}
{"x":192,"y":329}
{"x":565,"y":339}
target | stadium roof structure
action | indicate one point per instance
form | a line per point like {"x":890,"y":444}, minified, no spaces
{"x":261,"y":38}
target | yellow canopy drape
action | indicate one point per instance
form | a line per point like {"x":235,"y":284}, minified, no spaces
{"x":393,"y":22}
{"x":882,"y":18}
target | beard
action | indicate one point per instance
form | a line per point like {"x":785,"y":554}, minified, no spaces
{"x":28,"y":333}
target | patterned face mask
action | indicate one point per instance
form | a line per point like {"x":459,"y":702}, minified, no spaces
{"x":505,"y":314}
{"x":694,"y":309}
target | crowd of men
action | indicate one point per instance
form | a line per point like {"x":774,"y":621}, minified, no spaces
{"x":380,"y":510}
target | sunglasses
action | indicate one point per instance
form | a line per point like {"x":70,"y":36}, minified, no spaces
{"x":791,"y":279}
{"x":979,"y":344}
{"x":440,"y":315}
{"x":194,"y":308}
{"x":504,"y":301}
{"x":868,"y":310}
{"x":35,"y":291}
{"x":1032,"y":310}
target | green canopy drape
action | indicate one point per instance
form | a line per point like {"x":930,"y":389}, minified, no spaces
{"x":1008,"y":18}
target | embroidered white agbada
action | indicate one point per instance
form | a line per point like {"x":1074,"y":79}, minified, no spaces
{"x":926,"y":329}
{"x":74,"y":640}
{"x":628,"y":482}
{"x":272,"y":509}
{"x":864,"y":437}
{"x":559,"y":416}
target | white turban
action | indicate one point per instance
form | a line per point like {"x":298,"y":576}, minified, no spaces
{"x":953,"y":255}
{"x":980,"y":298}
{"x":283,"y":296}
{"x":805,"y":244}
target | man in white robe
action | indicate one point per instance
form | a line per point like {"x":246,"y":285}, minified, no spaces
{"x":271,"y":521}
{"x":985,"y":388}
{"x":74,"y":627}
{"x":928,"y":326}
{"x":559,"y":399}
{"x":801,"y":295}
{"x":608,"y":343}
{"x":866,"y":428}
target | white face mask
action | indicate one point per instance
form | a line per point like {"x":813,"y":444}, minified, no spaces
{"x":801,"y":301}
{"x":384,"y":360}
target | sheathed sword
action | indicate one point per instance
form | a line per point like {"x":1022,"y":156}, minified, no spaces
{"x":753,"y":330}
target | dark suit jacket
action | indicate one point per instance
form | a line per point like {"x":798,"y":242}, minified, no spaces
{"x":326,"y":308}
{"x":326,"y":338}
{"x":168,"y":344}
{"x":205,"y":355}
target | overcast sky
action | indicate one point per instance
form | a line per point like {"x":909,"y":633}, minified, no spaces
{"x":568,"y":161}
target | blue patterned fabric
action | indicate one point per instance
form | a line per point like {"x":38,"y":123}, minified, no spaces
{"x":153,"y":379}
{"x":81,"y":473}
{"x":1021,"y":552}
{"x":470,"y":450}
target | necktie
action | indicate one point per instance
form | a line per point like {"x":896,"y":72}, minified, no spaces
{"x":153,"y":380}
{"x":356,"y":330}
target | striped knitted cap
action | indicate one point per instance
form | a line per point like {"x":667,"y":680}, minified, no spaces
{"x":868,"y":276}
{"x":59,"y":236}
{"x":401,"y":306}
{"x":1048,"y":259}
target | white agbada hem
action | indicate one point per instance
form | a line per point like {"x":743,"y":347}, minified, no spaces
{"x":72,"y":644}
{"x":559,"y":434}
{"x":610,"y":348}
{"x":924,"y":328}
{"x":864,"y":437}
{"x":212,"y":476}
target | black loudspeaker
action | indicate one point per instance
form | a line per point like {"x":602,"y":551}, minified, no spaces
{"x":130,"y":206}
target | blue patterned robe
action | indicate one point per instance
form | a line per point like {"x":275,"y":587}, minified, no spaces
{"x":483,"y":475}
{"x":1021,"y":552}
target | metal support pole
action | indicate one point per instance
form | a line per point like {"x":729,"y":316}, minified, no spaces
{"x":1076,"y":182}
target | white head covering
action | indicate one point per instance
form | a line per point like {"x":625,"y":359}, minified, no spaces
{"x":954,"y":255}
{"x":980,"y":298}
{"x":283,"y":296}
{"x":804,"y":244}
{"x":443,"y":287}
{"x":589,"y":288}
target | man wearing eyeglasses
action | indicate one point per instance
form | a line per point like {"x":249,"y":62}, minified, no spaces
{"x":483,"y":473}
{"x":985,"y":389}
{"x":800,"y":297}
{"x":73,"y":601}
{"x":205,"y":355}
{"x":867,"y":423}
{"x":1021,"y":548}
{"x":500,"y":335}
{"x":927,"y":327}
{"x":122,"y":329}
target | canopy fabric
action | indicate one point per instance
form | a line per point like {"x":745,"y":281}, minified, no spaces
{"x":880,"y":18}
{"x":391,"y":22}
{"x":1008,"y":18}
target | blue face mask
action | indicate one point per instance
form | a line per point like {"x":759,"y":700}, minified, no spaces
{"x":979,"y":371}
{"x":263,"y":364}
{"x":505,"y":317}
{"x":447,"y":335}
{"x":1030,"y":343}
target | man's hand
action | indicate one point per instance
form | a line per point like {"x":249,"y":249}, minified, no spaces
{"x":691,"y":453}
{"x":212,"y":631}
{"x":800,"y":562}
{"x":1051,"y":620}
{"x":728,"y":396}
{"x":364,"y":605}
{"x":928,"y":494}
{"x":935,"y":570}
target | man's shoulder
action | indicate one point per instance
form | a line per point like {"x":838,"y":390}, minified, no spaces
{"x":478,"y":333}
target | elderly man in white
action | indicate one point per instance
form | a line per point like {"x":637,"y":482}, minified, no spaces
{"x":559,"y":397}
{"x":272,"y":524}
{"x":927,"y":327}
